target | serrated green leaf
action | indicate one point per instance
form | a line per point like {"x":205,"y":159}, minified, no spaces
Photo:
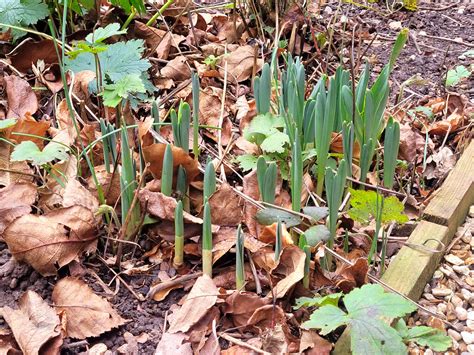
{"x":430,"y":337}
{"x":316,"y":234}
{"x":456,"y":75}
{"x":247,"y":161}
{"x":327,"y":318}
{"x":119,"y":60}
{"x":263,"y":126}
{"x":316,"y":212}
{"x":364,"y":207}
{"x":22,"y":13}
{"x":7,"y":123}
{"x":269,"y":216}
{"x":114,"y":93}
{"x":27,"y":150}
{"x":332,"y":299}
{"x":275,"y":143}
{"x":102,"y":33}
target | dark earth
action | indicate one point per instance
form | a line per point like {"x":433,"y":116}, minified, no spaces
{"x":431,"y":60}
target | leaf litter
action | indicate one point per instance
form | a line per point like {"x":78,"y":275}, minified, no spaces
{"x":51,"y":217}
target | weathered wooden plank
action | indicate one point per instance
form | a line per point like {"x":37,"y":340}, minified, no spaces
{"x":452,"y":201}
{"x":412,"y":267}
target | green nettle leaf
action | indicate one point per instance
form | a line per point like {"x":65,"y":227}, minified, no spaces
{"x":102,"y":33}
{"x":22,"y":13}
{"x":9,"y":122}
{"x":119,"y":60}
{"x":457,"y":74}
{"x":114,"y":93}
{"x":332,"y":299}
{"x":269,"y":216}
{"x":364,"y":207}
{"x":27,"y":150}
{"x":366,"y":309}
{"x":316,"y":234}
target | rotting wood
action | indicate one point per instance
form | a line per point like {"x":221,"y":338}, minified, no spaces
{"x":451,"y":202}
{"x":412,"y":268}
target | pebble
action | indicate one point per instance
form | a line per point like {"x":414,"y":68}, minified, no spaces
{"x":456,"y":301}
{"x":466,"y":294}
{"x":470,"y":315}
{"x":461,"y":269}
{"x":468,"y":337}
{"x":470,"y":281}
{"x":441,"y":292}
{"x":471,"y":211}
{"x":470,"y":349}
{"x":454,"y":334}
{"x":453,"y":259}
{"x":461,"y":313}
{"x":470,"y":324}
{"x":429,"y":352}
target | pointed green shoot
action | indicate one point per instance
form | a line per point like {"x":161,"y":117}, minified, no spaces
{"x":262,"y":90}
{"x":155,"y":111}
{"x":239,"y":260}
{"x":167,"y":172}
{"x":209,"y":180}
{"x":390,"y":154}
{"x":303,"y":244}
{"x":180,"y":123}
{"x":296,"y":173}
{"x":398,"y":46}
{"x":267,"y":178}
{"x":335,"y":183}
{"x":179,"y":236}
{"x":195,"y":89}
{"x":181,"y":183}
{"x":207,"y":241}
{"x":278,"y":242}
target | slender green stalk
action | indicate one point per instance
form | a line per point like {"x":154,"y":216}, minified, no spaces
{"x":278,"y":242}
{"x":207,"y":241}
{"x":178,"y":235}
{"x":195,"y":90}
{"x":159,"y":12}
{"x":335,"y":183}
{"x":155,"y":111}
{"x":180,"y":123}
{"x":296,"y":174}
{"x":129,"y":18}
{"x":378,"y":226}
{"x":262,"y":90}
{"x":167,"y":172}
{"x":391,"y":145}
{"x":239,"y":260}
{"x":303,"y":244}
{"x":209,"y":180}
{"x":181,"y":183}
{"x":267,"y":179}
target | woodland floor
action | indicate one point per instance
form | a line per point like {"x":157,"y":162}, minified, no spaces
{"x":430,"y":57}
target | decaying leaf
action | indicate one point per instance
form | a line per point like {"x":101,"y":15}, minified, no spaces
{"x":241,"y":63}
{"x":440,"y":164}
{"x":15,"y":201}
{"x":29,"y":126}
{"x":202,"y":297}
{"x":242,"y":306}
{"x":226,"y":206}
{"x":52,"y":240}
{"x":177,"y":69}
{"x":314,"y":344}
{"x":291,"y":266}
{"x":35,"y":325}
{"x":173,"y":344}
{"x":210,"y":101}
{"x":412,"y":143}
{"x":268,"y":235}
{"x":12,"y":171}
{"x":87,"y":315}
{"x":21,"y":98}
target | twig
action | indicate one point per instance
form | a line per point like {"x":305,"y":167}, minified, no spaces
{"x":241,"y":343}
{"x":384,"y":189}
{"x":167,"y":284}
{"x":446,"y":39}
{"x":75,"y":344}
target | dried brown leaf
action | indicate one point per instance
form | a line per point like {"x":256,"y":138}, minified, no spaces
{"x":12,"y":171}
{"x":242,"y":306}
{"x":202,"y":297}
{"x":35,"y":325}
{"x":28,"y":125}
{"x":314,"y":344}
{"x":21,"y":98}
{"x":15,"y":201}
{"x":29,"y":52}
{"x":173,"y":344}
{"x":291,"y":266}
{"x":241,"y":63}
{"x":56,"y":238}
{"x":210,"y":113}
{"x":177,"y":69}
{"x":226,"y":206}
{"x":87,"y":314}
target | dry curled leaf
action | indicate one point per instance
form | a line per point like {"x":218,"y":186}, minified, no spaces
{"x":52,"y":240}
{"x":241,"y":64}
{"x":314,"y":344}
{"x":210,"y":114}
{"x":29,"y":127}
{"x":173,"y":344}
{"x":15,"y":201}
{"x":291,"y":267}
{"x":177,"y":69}
{"x":87,"y":315}
{"x":12,"y":171}
{"x":35,"y":325}
{"x":21,"y":98}
{"x":29,"y":52}
{"x":242,"y":305}
{"x":202,"y":297}
{"x":226,"y":206}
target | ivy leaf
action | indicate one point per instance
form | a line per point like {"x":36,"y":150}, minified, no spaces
{"x":424,"y":336}
{"x":364,"y":206}
{"x":102,"y":33}
{"x":332,"y":299}
{"x":275,"y":143}
{"x":114,"y":93}
{"x":22,"y":13}
{"x":27,"y":150}
{"x":119,"y":60}
{"x":269,"y":216}
{"x":367,"y":309}
{"x":456,"y":75}
{"x":316,"y":234}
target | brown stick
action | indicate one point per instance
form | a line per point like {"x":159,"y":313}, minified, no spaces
{"x":167,"y":284}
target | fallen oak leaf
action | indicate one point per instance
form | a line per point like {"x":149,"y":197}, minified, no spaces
{"x":56,"y":238}
{"x":87,"y":315}
{"x":35,"y":325}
